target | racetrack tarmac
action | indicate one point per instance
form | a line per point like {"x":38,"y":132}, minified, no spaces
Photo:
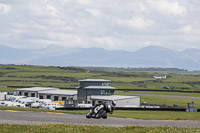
{"x":37,"y":118}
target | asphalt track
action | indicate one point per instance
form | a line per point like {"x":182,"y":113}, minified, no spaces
{"x":37,"y":118}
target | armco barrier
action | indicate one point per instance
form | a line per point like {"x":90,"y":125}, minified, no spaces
{"x":74,"y":108}
{"x":152,"y":109}
{"x":125,"y":108}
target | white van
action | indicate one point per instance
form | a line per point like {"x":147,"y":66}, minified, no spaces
{"x":40,"y":102}
{"x":12,"y":101}
{"x":23,"y":102}
{"x":50,"y":106}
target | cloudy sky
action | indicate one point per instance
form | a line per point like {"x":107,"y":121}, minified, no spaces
{"x":110,"y":24}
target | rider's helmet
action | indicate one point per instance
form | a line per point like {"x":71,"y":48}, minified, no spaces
{"x":114,"y":102}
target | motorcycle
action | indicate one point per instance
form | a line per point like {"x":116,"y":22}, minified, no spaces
{"x":100,"y":111}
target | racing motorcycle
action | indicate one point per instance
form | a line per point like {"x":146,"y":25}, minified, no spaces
{"x":101,"y":110}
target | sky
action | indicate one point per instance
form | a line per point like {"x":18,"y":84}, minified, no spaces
{"x":109,"y":24}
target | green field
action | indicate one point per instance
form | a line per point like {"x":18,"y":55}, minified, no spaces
{"x":15,"y":76}
{"x":170,"y":101}
{"x":159,"y":93}
{"x":63,"y":128}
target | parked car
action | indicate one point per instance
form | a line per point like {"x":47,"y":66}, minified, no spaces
{"x":2,"y":103}
{"x":8,"y":103}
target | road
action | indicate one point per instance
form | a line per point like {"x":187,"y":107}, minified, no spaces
{"x":28,"y":117}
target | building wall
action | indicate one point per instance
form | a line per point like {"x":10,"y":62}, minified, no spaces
{"x":134,"y":102}
{"x":23,"y":93}
{"x":45,"y":96}
{"x":58,"y":97}
{"x":84,"y":94}
{"x":131,"y":102}
{"x":3,"y":96}
{"x":93,"y":83}
{"x":81,"y":94}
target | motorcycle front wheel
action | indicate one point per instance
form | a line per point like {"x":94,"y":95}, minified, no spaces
{"x":100,"y":114}
{"x":89,"y":115}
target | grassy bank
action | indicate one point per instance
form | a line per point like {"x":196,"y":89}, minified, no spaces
{"x":56,"y":128}
{"x":157,"y":115}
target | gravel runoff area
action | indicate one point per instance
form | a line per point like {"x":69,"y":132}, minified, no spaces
{"x":37,"y":118}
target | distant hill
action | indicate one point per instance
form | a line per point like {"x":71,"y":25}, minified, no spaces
{"x":140,"y":69}
{"x":151,"y":56}
{"x":195,"y":53}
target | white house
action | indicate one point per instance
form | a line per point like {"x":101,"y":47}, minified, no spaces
{"x":160,"y":76}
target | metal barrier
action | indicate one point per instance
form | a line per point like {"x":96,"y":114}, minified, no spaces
{"x":130,"y":108}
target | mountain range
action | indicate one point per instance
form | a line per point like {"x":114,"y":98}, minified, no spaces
{"x":151,"y":56}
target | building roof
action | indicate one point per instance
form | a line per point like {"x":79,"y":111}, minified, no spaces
{"x":113,"y":97}
{"x":59,"y":92}
{"x":99,"y":87}
{"x":37,"y":89}
{"x":94,"y":80}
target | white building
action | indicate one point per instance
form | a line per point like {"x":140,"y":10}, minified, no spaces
{"x":91,"y":91}
{"x":33,"y":91}
{"x":58,"y":95}
{"x":3,"y":95}
{"x":122,"y":101}
{"x":55,"y":94}
{"x":160,"y":76}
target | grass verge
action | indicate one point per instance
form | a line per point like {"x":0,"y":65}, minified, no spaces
{"x":157,"y":115}
{"x":62,"y":128}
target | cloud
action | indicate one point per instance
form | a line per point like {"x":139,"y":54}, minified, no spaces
{"x":4,"y":9}
{"x":138,"y":23}
{"x":167,"y":7}
{"x":107,"y":42}
{"x":186,"y":29}
{"x":121,"y":24}
{"x":94,"y":12}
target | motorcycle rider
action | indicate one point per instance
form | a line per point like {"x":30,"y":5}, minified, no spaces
{"x":108,"y":107}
